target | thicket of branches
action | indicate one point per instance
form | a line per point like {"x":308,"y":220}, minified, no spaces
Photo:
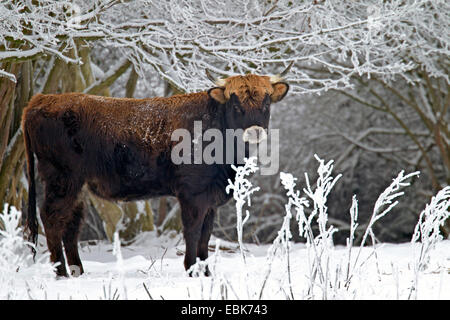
{"x":381,"y":68}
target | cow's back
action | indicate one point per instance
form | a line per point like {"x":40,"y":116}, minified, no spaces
{"x":130,"y":142}
{"x":120,"y":147}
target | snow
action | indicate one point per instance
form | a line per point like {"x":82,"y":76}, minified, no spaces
{"x":152,"y":266}
{"x":157,"y":262}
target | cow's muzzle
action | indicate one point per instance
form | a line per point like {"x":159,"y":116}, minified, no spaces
{"x":254,"y":134}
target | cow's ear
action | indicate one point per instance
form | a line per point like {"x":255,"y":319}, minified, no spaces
{"x":279,"y":91}
{"x":218,"y":94}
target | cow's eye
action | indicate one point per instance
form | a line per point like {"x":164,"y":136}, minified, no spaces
{"x":238,"y":109}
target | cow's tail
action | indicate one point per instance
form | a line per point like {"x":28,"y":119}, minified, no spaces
{"x":32,"y":224}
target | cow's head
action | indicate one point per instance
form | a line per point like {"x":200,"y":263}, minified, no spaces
{"x":247,"y":101}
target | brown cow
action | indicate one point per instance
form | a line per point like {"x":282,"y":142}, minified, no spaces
{"x":121,"y":148}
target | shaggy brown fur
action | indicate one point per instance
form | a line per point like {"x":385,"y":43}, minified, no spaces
{"x":121,"y":149}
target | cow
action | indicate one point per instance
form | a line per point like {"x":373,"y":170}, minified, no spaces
{"x":121,"y":149}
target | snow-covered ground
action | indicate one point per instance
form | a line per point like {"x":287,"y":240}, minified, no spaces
{"x":157,"y":262}
{"x":152,"y":266}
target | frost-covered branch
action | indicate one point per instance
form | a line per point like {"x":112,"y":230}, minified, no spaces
{"x":180,"y":39}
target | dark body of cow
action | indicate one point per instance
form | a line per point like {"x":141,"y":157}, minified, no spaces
{"x":121,"y":149}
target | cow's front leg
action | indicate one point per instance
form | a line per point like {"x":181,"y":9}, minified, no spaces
{"x":207,"y":227}
{"x":192,"y":216}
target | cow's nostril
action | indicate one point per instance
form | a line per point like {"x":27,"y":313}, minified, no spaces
{"x":254,"y":134}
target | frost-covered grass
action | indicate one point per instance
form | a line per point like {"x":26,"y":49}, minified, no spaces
{"x":152,"y":267}
{"x":20,"y":276}
{"x":157,"y":262}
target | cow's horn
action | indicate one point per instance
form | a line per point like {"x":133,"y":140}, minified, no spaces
{"x":220,"y":82}
{"x":209,"y":76}
{"x":287,"y":69}
{"x":279,"y":77}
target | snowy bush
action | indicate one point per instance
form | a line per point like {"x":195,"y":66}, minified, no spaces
{"x":331,"y":275}
{"x":16,"y":260}
{"x":427,"y":231}
{"x":242,"y":191}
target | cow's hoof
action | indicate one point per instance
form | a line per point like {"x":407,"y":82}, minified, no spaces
{"x":75,"y":271}
{"x":198,"y":273}
{"x":61,"y":273}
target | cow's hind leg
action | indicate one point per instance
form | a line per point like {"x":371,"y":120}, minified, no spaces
{"x":202,"y":249}
{"x":70,"y":240}
{"x":61,"y":193}
{"x":55,"y":214}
